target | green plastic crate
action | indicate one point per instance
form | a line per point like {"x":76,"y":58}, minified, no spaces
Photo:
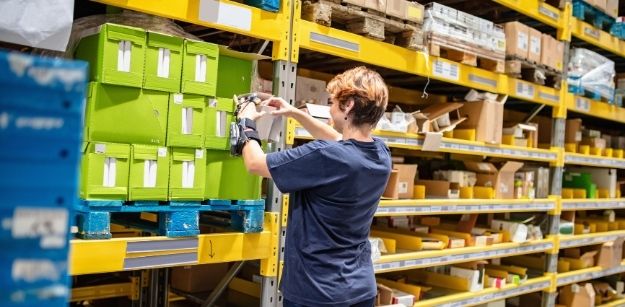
{"x":104,"y":171}
{"x":149,"y":173}
{"x":122,"y":114}
{"x":187,"y":174}
{"x":163,"y":62}
{"x":227,"y":178}
{"x":219,"y":115}
{"x":187,"y":120}
{"x":580,"y":181}
{"x":234,"y":76}
{"x":116,"y":54}
{"x":199,"y":68}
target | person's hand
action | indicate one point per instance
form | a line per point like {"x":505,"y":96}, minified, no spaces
{"x":282,"y":107}
{"x":249,"y":111}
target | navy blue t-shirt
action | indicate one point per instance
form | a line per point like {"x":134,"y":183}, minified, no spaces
{"x":335,"y":188}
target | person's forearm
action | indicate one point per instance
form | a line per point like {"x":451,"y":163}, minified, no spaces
{"x":255,"y":159}
{"x":316,"y":128}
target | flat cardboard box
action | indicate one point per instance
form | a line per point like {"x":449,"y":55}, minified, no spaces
{"x":502,"y":180}
{"x":535,"y":38}
{"x":611,"y":8}
{"x":391,"y":191}
{"x":529,"y":132}
{"x":594,"y":142}
{"x":611,"y":254}
{"x":462,"y":178}
{"x":406,"y":175}
{"x":198,"y":278}
{"x":311,"y":91}
{"x":437,"y":189}
{"x":517,"y":36}
{"x":578,"y":259}
{"x":577,"y":296}
{"x":396,"y":8}
{"x":573,"y":132}
{"x":439,"y":117}
{"x":377,"y":5}
{"x":486,"y":117}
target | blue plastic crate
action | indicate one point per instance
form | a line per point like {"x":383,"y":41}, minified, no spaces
{"x":42,"y":230}
{"x":39,"y":150}
{"x":35,"y":126}
{"x":267,"y":5}
{"x":32,"y":280}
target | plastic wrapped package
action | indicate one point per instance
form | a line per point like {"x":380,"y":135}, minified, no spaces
{"x":590,"y":71}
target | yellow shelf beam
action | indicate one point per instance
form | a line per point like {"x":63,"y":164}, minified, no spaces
{"x":103,"y":292}
{"x":123,"y":254}
{"x":597,"y":37}
{"x":538,"y":10}
{"x":589,"y":239}
{"x":461,"y":206}
{"x":616,"y":303}
{"x":421,"y":259}
{"x":590,"y":160}
{"x":587,"y":274}
{"x":488,"y":295}
{"x":223,"y":15}
{"x":592,"y":204}
{"x":595,"y":108}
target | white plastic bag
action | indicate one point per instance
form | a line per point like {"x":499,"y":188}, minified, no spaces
{"x":37,"y":23}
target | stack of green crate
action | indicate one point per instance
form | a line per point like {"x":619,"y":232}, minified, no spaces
{"x":152,"y":112}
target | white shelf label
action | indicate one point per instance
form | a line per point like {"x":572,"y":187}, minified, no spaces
{"x":446,"y":70}
{"x":592,"y":32}
{"x":525,"y":90}
{"x":582,"y":104}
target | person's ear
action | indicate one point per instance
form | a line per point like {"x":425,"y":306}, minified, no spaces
{"x":349,"y":107}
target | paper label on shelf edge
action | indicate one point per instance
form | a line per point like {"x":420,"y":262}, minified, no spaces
{"x":226,"y":14}
{"x":525,"y":90}
{"x":594,"y":33}
{"x":582,"y":104}
{"x":443,"y":69}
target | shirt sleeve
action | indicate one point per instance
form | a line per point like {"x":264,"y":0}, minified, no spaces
{"x":299,"y":168}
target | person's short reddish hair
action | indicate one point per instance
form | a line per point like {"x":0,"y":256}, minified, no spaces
{"x":366,"y":89}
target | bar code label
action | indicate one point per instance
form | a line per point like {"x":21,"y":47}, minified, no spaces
{"x":594,"y":33}
{"x":582,"y":104}
{"x":446,"y":70}
{"x":545,"y":11}
{"x":525,"y":90}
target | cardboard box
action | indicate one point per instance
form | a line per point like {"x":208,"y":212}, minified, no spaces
{"x":439,"y":117}
{"x":462,"y":178}
{"x":439,"y":189}
{"x":385,"y":295}
{"x":502,"y":180}
{"x":186,"y":123}
{"x":518,"y":232}
{"x":309,"y":90}
{"x":396,"y":8}
{"x":163,"y":62}
{"x":611,"y":254}
{"x":611,"y":8}
{"x":377,"y":5}
{"x":486,"y":117}
{"x":392,"y":191}
{"x":594,"y":142}
{"x":557,"y":51}
{"x":360,"y":3}
{"x":414,"y":12}
{"x":524,"y":184}
{"x":577,"y":296}
{"x":546,"y":53}
{"x":406,"y":175}
{"x":198,"y":278}
{"x":517,"y":40}
{"x":541,"y":180}
{"x":579,"y":260}
{"x":527,"y":132}
{"x":600,"y":4}
{"x":535,"y":45}
{"x":228,"y":178}
{"x":573,"y":132}
{"x":474,"y":278}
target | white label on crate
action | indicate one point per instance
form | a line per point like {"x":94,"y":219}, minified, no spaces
{"x":33,"y":270}
{"x":162,"y":152}
{"x":48,"y":223}
{"x":200,"y":68}
{"x":212,"y":103}
{"x":525,"y":90}
{"x":535,"y":45}
{"x":403,"y":187}
{"x":100,"y":148}
{"x":220,"y":124}
{"x":231,"y":15}
{"x":178,"y":98}
{"x":582,"y":104}
{"x":163,"y":63}
{"x":199,"y":153}
{"x":187,"y":120}
{"x":110,"y":172}
{"x":149,"y":173}
{"x":188,"y":174}
{"x":522,"y":41}
{"x":123,"y":56}
{"x":446,"y":70}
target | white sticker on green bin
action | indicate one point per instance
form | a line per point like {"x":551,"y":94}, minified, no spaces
{"x":104,"y":171}
{"x":219,"y":115}
{"x":186,"y":121}
{"x":163,"y":62}
{"x":187,"y":174}
{"x":116,"y":54}
{"x":124,"y":114}
{"x":199,"y":68}
{"x":149,"y":173}
{"x":227,"y":177}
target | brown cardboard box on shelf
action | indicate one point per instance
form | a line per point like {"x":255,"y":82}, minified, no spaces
{"x":573,"y":132}
{"x":557,"y":48}
{"x":600,"y":4}
{"x":502,"y":180}
{"x":439,"y":189}
{"x":414,"y":12}
{"x":311,"y":91}
{"x":462,"y":178}
{"x":611,"y":254}
{"x":594,"y":142}
{"x":396,"y":8}
{"x":360,"y":3}
{"x":579,"y":260}
{"x":535,"y":38}
{"x":551,"y":52}
{"x":577,"y":296}
{"x":377,"y":5}
{"x":198,"y":278}
{"x":406,"y":175}
{"x":385,"y":295}
{"x":439,"y":117}
{"x":611,"y":8}
{"x":392,"y":191}
{"x":517,"y":36}
{"x":485,"y":116}
{"x":529,"y":132}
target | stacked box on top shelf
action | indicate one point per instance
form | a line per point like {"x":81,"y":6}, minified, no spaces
{"x":149,"y":173}
{"x":41,"y":110}
{"x":163,"y":62}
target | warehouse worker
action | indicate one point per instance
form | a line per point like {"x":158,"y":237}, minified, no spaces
{"x":335,"y":184}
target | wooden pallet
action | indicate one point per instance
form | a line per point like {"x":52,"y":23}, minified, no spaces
{"x":363,"y":21}
{"x":535,"y":73}
{"x":584,"y":11}
{"x":469,"y":54}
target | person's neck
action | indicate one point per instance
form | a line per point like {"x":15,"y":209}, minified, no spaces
{"x":362,"y":134}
